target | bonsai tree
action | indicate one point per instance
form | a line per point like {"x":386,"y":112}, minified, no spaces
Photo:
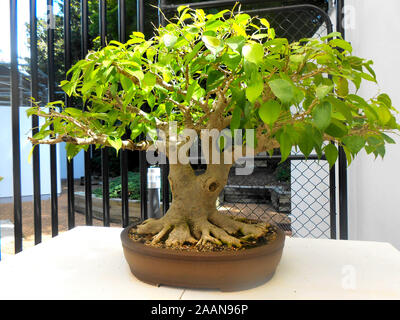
{"x":212,"y":72}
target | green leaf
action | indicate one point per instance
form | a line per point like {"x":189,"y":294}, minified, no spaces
{"x":116,"y":143}
{"x":189,"y":57}
{"x":190,"y":91}
{"x":180,"y":8}
{"x":385,"y":99}
{"x":342,"y":108}
{"x":285,"y":145}
{"x":151,"y":132}
{"x":384,"y":115}
{"x":354,"y":143}
{"x":331,"y":154}
{"x":238,"y":97}
{"x":283,"y":90}
{"x":336,"y":129}
{"x":341,"y":44}
{"x":169,"y":40}
{"x":72,"y":150}
{"x":148,"y":82}
{"x":259,"y":36}
{"x":254,"y":87}
{"x":231,"y":60}
{"x":323,"y":90}
{"x":298,"y":95}
{"x":76,"y":113}
{"x":322,"y":115}
{"x":213,"y":44}
{"x":136,"y":129}
{"x":253,"y":52}
{"x":236,"y":117}
{"x":342,"y":87}
{"x":265,"y":22}
{"x":269,"y":111}
{"x":306,"y":141}
{"x":126,"y":84}
{"x":387,"y":138}
{"x":349,"y":157}
{"x":68,"y":87}
{"x":214,"y":78}
{"x":331,"y":35}
{"x":297,"y":58}
{"x":29,"y":156}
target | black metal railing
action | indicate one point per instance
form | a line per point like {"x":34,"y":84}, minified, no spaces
{"x":290,"y":21}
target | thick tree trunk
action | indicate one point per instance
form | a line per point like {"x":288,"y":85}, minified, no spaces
{"x":193,"y":217}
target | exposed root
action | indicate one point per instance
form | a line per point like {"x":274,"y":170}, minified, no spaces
{"x":159,"y":236}
{"x":150,"y":226}
{"x":206,"y":237}
{"x":248,"y":231}
{"x":180,"y":235}
{"x":217,"y":229}
{"x":220,"y":234}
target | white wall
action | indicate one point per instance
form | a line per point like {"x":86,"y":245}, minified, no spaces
{"x":79,"y":163}
{"x":374,"y":186}
{"x":6,"y":185}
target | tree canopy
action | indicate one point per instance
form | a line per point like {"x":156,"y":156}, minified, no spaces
{"x":225,"y":70}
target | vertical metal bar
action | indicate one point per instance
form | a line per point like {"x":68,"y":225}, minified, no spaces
{"x":124,"y":187}
{"x":164,"y":167}
{"x":104,"y":152}
{"x":332,"y":201}
{"x":71,"y":197}
{"x":15,"y":127}
{"x":121,"y":21}
{"x":88,"y":172}
{"x":123,"y":153}
{"x":51,"y":97}
{"x":103,"y":22}
{"x":332,"y":172}
{"x":68,"y":62}
{"x":343,"y":200}
{"x":161,"y":6}
{"x":140,"y":15}
{"x":143,"y":184}
{"x":343,"y":213}
{"x":165,"y":186}
{"x":142,"y":154}
{"x":37,"y":210}
{"x":340,"y":17}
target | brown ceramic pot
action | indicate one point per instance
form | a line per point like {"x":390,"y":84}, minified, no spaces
{"x":227,"y":271}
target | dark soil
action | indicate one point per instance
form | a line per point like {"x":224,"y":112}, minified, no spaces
{"x":269,"y":237}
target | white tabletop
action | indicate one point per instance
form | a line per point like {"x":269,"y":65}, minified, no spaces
{"x":88,"y":263}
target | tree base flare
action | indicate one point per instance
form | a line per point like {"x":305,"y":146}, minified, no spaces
{"x":218,"y":232}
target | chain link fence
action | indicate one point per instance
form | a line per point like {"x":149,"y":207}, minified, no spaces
{"x":296,"y":195}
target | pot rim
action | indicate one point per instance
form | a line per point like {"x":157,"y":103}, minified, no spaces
{"x":169,"y":253}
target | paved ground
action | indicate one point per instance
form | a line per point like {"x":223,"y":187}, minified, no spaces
{"x":6,"y":235}
{"x":6,"y":213}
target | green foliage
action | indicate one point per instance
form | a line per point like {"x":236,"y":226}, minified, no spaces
{"x":298,"y":94}
{"x":116,"y":187}
{"x":283,"y":172}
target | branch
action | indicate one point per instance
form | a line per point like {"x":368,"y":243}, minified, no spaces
{"x":102,"y":140}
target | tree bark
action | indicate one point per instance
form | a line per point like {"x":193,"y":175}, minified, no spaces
{"x":193,"y":217}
